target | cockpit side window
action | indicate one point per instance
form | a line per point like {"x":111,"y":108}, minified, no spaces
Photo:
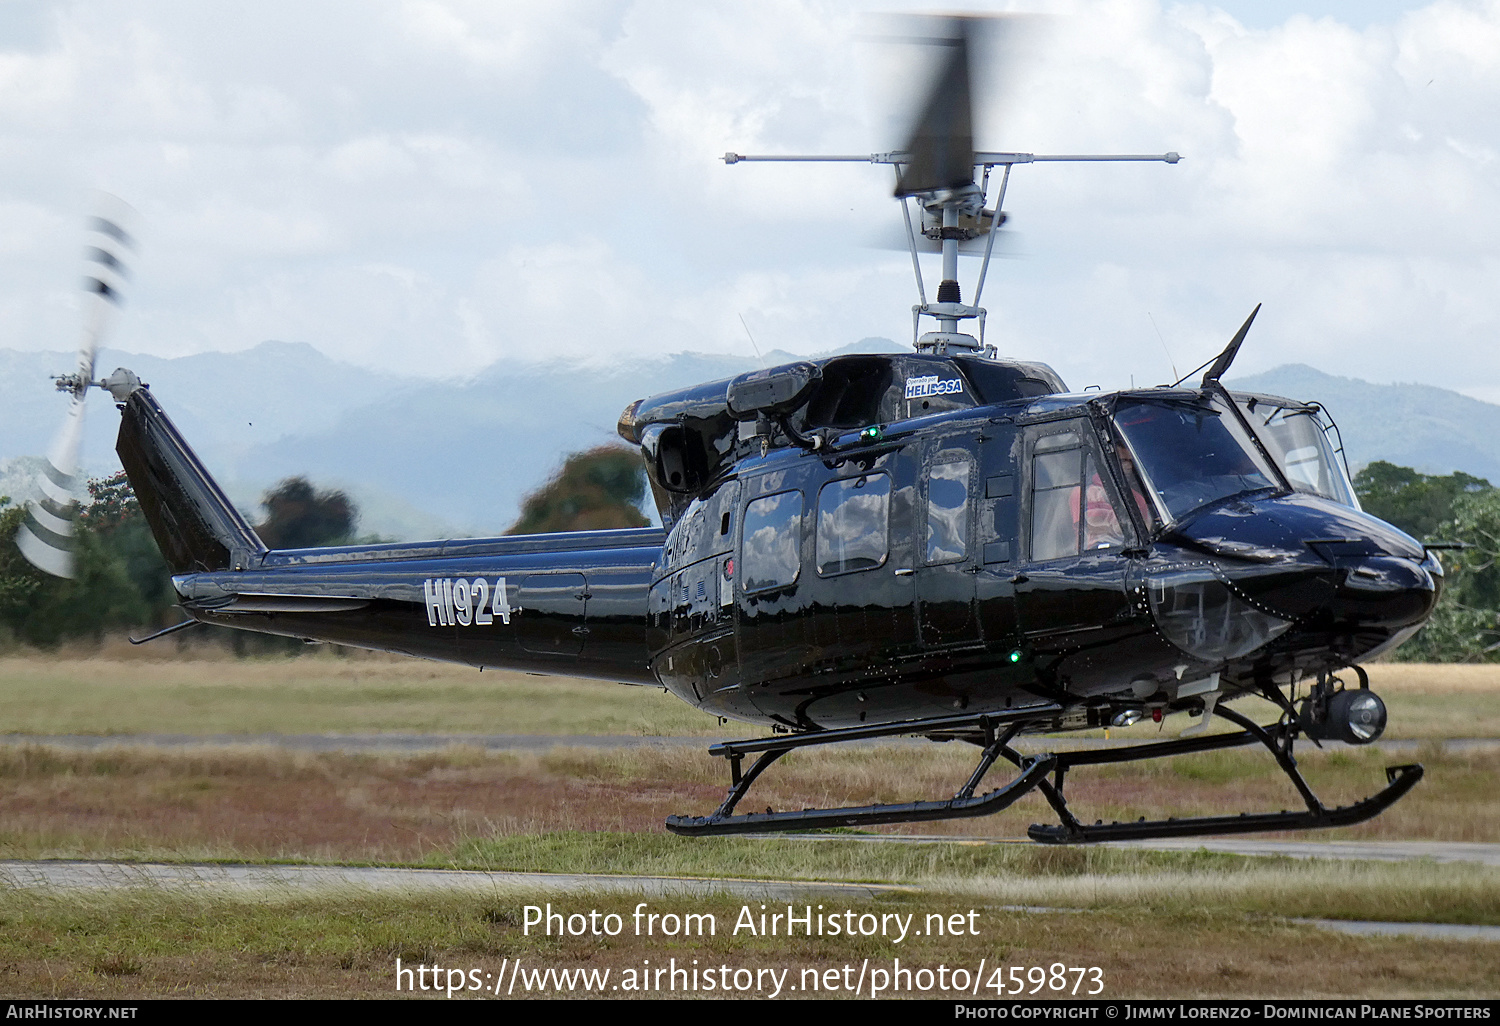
{"x":1071,"y":508}
{"x":771,"y":550}
{"x":1297,"y":437}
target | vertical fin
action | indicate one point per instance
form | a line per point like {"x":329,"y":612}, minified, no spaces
{"x":194,"y":523}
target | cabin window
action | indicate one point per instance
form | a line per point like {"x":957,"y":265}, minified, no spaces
{"x":1071,"y":511}
{"x":948,"y":511}
{"x":853,"y":515}
{"x":772,"y":546}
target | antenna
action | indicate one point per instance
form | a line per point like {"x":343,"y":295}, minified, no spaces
{"x":751,"y":337}
{"x":1170,"y":361}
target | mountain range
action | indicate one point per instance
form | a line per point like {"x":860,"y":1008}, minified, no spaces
{"x":420,"y":458}
{"x":428,"y":458}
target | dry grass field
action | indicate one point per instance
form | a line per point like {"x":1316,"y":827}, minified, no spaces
{"x":1219,"y":922}
{"x":266,"y":802}
{"x":117,"y":689}
{"x":263,"y":803}
{"x":320,"y":693}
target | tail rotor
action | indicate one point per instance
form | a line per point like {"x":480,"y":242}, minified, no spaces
{"x":47,"y":537}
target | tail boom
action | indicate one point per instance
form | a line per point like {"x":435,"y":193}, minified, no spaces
{"x":570,"y":604}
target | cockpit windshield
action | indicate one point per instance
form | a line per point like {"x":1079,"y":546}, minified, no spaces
{"x":1296,"y":435}
{"x":1190,"y":450}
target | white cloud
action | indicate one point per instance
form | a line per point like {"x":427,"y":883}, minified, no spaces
{"x":431,"y":185}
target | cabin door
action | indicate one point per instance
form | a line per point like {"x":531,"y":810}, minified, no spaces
{"x":1073,"y":582}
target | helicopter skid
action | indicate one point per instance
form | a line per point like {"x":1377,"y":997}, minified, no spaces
{"x":1401,"y":779}
{"x":1034,"y":771}
{"x":1277,"y":738}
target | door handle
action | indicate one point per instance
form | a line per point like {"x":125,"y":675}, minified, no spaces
{"x":905,"y":572}
{"x":1019,"y":579}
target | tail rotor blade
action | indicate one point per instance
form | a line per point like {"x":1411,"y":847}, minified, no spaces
{"x":46,"y":536}
{"x":105,"y":273}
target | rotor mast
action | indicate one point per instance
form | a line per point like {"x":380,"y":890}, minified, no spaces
{"x":938,"y":168}
{"x":957,"y":215}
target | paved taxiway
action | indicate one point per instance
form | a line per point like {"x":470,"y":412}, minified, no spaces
{"x":1347,"y":851}
{"x":84,"y":875}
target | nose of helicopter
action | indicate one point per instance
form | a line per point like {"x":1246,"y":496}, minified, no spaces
{"x":1330,"y":568}
{"x":1386,"y":591}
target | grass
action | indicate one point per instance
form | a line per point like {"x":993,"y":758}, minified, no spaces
{"x":320,"y":693}
{"x":1158,"y":924}
{"x":266,"y":803}
{"x":148,"y":942}
{"x":203,"y":691}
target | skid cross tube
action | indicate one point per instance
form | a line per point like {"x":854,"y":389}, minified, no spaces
{"x":1277,"y":738}
{"x":1034,"y":771}
{"x":941,"y":725}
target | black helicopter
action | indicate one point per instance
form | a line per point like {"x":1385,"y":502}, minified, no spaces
{"x":941,"y":543}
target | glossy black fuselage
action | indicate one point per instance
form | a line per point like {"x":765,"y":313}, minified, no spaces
{"x":987,"y":624}
{"x":810,"y":617}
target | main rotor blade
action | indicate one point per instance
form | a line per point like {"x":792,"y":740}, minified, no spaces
{"x":942,"y":140}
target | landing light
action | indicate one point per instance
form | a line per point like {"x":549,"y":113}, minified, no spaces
{"x":1126,"y":718}
{"x":1355,"y":717}
{"x":1364,"y":714}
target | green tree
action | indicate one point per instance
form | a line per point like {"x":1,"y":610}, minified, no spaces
{"x":42,"y":610}
{"x":113,"y":515}
{"x":299,"y":516}
{"x":1419,"y":504}
{"x":1465,"y":627}
{"x":19,"y":580}
{"x":594,"y":490}
{"x":120,"y":579}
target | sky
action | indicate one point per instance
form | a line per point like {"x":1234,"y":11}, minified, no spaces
{"x":427,"y":187}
